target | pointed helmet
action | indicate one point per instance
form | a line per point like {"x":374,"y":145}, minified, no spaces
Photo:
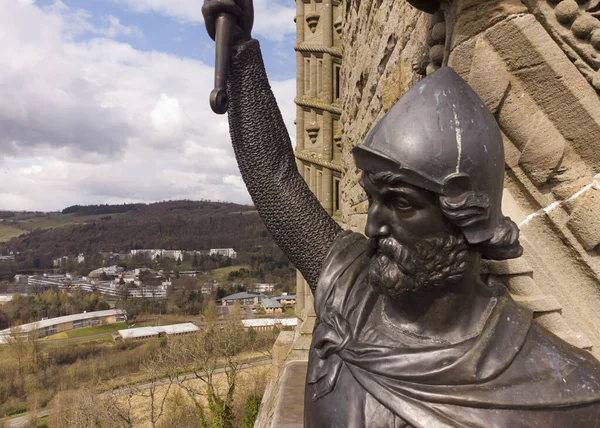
{"x":440,"y":136}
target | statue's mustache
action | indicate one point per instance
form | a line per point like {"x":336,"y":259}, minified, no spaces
{"x":393,"y":250}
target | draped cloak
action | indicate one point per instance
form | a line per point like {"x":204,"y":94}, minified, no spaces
{"x":365,"y":372}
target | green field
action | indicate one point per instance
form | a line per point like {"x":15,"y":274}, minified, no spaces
{"x":32,"y":221}
{"x":7,"y":232}
{"x":89,"y":331}
{"x":221,"y":274}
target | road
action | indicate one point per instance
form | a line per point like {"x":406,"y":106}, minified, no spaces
{"x":24,"y":420}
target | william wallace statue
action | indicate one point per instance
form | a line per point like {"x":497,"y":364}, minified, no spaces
{"x":407,"y":334}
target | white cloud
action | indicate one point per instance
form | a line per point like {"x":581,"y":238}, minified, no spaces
{"x":78,"y":22}
{"x":101,"y":122}
{"x":272,"y":19}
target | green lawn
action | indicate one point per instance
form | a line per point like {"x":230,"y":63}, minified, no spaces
{"x":89,"y":331}
{"x":221,"y":274}
{"x":8,"y":232}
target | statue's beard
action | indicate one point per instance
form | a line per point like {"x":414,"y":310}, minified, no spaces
{"x":434,"y":262}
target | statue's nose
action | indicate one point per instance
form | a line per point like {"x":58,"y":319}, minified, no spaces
{"x":377,"y":227}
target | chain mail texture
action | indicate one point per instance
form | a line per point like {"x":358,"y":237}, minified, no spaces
{"x":292,"y":214}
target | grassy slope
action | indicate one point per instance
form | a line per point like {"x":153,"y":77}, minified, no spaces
{"x":33,"y":221}
{"x":221,"y":274}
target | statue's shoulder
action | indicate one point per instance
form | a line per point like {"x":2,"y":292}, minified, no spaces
{"x":345,"y":261}
{"x":573,"y":373}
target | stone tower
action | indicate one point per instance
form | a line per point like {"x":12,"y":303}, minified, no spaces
{"x":318,"y":109}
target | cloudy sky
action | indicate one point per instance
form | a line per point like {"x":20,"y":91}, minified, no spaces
{"x":106,"y":101}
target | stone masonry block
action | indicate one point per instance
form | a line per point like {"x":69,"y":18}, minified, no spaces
{"x":585,"y":219}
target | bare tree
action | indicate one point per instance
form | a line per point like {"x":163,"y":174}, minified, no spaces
{"x":159,"y":372}
{"x":118,"y":405}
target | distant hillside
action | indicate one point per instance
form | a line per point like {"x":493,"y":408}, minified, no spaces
{"x":185,"y":225}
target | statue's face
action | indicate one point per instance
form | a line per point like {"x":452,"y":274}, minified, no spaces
{"x":415,"y":247}
{"x":401,"y":210}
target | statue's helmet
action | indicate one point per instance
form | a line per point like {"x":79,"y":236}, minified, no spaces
{"x":440,"y":136}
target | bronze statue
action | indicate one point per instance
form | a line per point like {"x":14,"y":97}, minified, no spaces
{"x":407,"y":334}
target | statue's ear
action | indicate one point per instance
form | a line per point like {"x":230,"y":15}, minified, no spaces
{"x":457,"y":184}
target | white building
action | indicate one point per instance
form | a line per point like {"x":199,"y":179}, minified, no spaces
{"x":263,"y":287}
{"x":141,"y":333}
{"x":156,"y":254}
{"x":50,"y":326}
{"x":265,"y":323}
{"x":225,"y":252}
{"x":113,"y":270}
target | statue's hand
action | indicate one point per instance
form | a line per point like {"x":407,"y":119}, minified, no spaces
{"x":242,"y":10}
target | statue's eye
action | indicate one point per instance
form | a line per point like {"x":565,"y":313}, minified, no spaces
{"x":402,"y":204}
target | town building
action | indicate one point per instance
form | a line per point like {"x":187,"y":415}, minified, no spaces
{"x":142,"y":333}
{"x":61,"y":261}
{"x":263,"y":287}
{"x":225,"y":252}
{"x":285,"y":300}
{"x":109,"y":271}
{"x":157,"y":254}
{"x":50,"y":326}
{"x":267,"y":323}
{"x":271,"y":306}
{"x":41,"y":283}
{"x":245,"y":298}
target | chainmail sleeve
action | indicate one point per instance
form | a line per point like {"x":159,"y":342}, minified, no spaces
{"x":292,"y":214}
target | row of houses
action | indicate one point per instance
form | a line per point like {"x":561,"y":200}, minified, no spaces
{"x":270,"y":304}
{"x":152,"y":253}
{"x":113,"y":288}
{"x":133,"y":289}
{"x":51,"y":326}
{"x":156,"y":254}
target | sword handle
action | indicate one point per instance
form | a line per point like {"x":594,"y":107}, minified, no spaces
{"x":224,"y":42}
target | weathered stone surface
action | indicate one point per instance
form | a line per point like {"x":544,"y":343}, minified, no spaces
{"x":289,"y":412}
{"x":281,"y":349}
{"x":385,"y":53}
{"x":585,"y":219}
{"x":475,"y":16}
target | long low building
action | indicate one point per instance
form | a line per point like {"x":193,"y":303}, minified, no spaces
{"x":141,"y":333}
{"x":50,"y":326}
{"x":265,"y":323}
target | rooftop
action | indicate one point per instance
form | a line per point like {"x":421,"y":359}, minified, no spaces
{"x":133,"y":333}
{"x":270,"y":322}
{"x":242,"y":295}
{"x":284,"y":297}
{"x":271,"y":304}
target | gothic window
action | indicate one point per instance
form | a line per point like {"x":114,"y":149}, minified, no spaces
{"x":336,"y":194}
{"x":336,"y":82}
{"x":307,"y":75}
{"x":319,"y":75}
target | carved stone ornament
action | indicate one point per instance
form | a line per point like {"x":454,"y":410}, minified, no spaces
{"x":312,"y":19}
{"x":313,"y":131}
{"x":337,"y":25}
{"x":575,"y":26}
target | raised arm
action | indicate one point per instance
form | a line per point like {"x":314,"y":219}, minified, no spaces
{"x":293,"y":215}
